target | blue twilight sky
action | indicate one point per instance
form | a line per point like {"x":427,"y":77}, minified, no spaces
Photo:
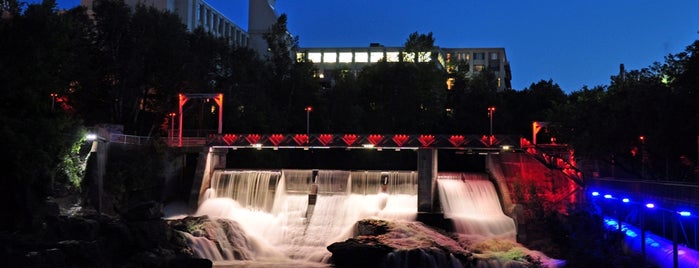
{"x":574,"y":43}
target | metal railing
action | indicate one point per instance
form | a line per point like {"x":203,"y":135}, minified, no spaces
{"x":129,"y":139}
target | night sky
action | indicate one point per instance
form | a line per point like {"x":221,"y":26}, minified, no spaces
{"x":574,"y":43}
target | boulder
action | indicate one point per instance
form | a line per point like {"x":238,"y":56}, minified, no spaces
{"x":144,"y":211}
{"x":358,"y":252}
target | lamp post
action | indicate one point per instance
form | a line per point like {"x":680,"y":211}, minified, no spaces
{"x":172,"y":127}
{"x":491,"y":110}
{"x":53,"y":99}
{"x":308,"y":110}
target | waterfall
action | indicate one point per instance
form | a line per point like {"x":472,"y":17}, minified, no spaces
{"x":275,"y":212}
{"x":251,"y":189}
{"x":471,"y":201}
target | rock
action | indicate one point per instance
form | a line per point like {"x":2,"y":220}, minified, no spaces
{"x":150,"y":234}
{"x":144,"y":211}
{"x":381,"y":243}
{"x":51,"y":208}
{"x":356,"y":252}
{"x":55,"y":257}
{"x":372,"y":227}
{"x":77,"y":228}
{"x":82,"y":253}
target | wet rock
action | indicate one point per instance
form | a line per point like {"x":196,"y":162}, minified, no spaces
{"x":82,"y":253}
{"x":356,"y":252}
{"x":381,"y":243}
{"x":372,"y":227}
{"x":150,"y":234}
{"x":144,"y":211}
{"x":77,"y":228}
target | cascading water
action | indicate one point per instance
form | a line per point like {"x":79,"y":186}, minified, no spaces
{"x":472,"y":203}
{"x":298,"y":213}
{"x":251,"y":189}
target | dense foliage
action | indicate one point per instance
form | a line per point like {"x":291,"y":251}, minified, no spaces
{"x":60,"y":70}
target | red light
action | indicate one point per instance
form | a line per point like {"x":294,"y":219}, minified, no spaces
{"x":400,"y":139}
{"x":301,"y":139}
{"x":349,"y":139}
{"x":374,"y":139}
{"x":457,"y":140}
{"x":325,"y":139}
{"x":426,"y":140}
{"x":308,"y":109}
{"x":276,"y":139}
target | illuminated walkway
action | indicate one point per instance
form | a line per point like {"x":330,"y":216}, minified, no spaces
{"x":658,"y":249}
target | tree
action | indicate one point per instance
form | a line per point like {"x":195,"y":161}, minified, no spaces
{"x":38,"y":132}
{"x":419,"y":47}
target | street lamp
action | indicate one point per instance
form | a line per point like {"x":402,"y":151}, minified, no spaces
{"x":491,"y":110}
{"x":308,"y":110}
{"x":172,"y":127}
{"x":53,"y":99}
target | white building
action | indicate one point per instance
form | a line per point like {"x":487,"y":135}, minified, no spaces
{"x":196,"y":13}
{"x":353,"y":59}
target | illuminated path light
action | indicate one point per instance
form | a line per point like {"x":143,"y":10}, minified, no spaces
{"x":664,"y":252}
{"x":684,"y":213}
{"x":658,"y":249}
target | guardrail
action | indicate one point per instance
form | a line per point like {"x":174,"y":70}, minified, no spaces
{"x":129,"y":139}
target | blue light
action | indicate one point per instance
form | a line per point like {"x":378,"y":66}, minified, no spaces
{"x":684,"y":213}
{"x":607,"y":196}
{"x":595,"y":193}
{"x":650,"y":205}
{"x":625,"y":200}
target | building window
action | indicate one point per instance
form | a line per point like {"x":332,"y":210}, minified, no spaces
{"x":376,"y":56}
{"x":479,"y":56}
{"x":392,"y":56}
{"x":493,"y":55}
{"x":314,"y":57}
{"x":478,"y":67}
{"x":361,"y":57}
{"x":345,"y":57}
{"x":300,"y":56}
{"x":450,"y":83}
{"x":330,"y":57}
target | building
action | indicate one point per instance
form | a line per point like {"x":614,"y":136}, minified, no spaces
{"x":196,"y":13}
{"x":479,"y":59}
{"x":353,"y":59}
{"x":261,"y":16}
